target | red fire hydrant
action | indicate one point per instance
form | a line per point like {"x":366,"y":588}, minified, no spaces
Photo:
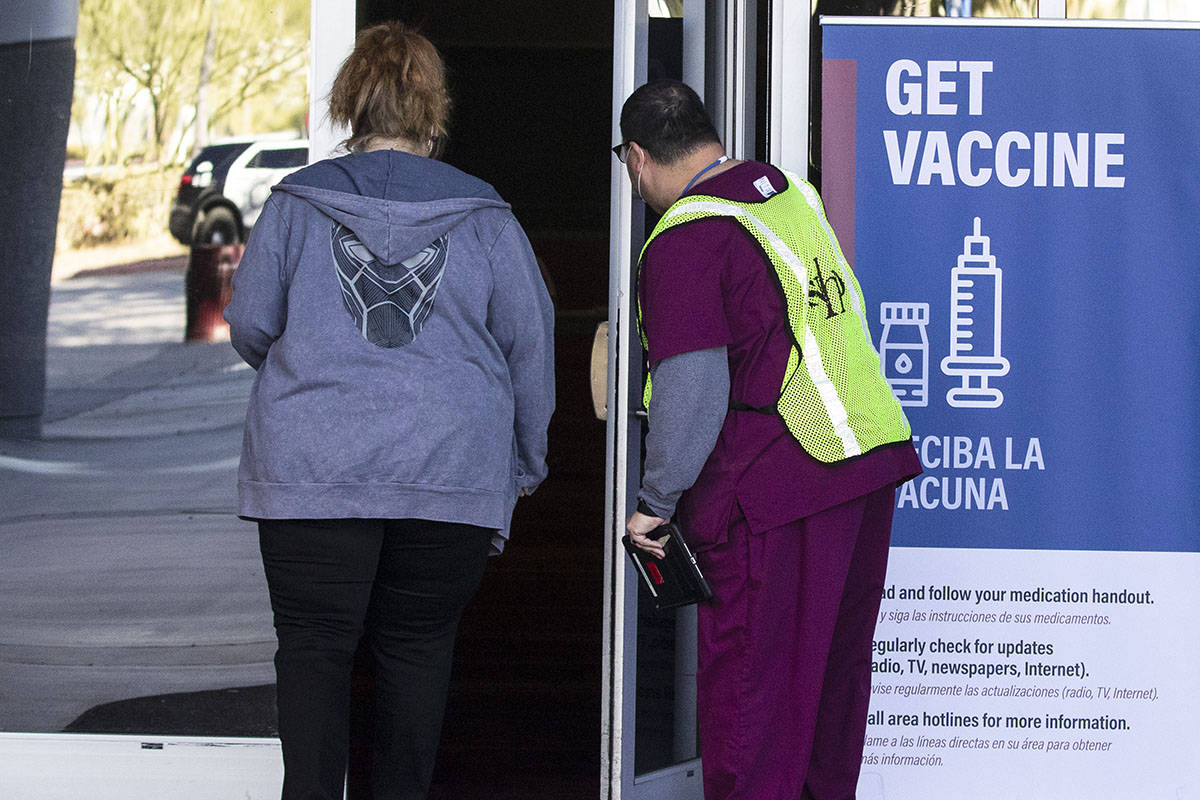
{"x":208,"y":287}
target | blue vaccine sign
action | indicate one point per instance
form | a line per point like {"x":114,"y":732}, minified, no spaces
{"x":1021,"y":204}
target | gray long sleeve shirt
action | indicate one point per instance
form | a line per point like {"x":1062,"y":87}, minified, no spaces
{"x":687,"y":410}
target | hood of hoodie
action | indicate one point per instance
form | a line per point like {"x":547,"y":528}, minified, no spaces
{"x":395,"y":203}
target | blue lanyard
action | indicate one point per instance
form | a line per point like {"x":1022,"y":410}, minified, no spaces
{"x":696,"y":177}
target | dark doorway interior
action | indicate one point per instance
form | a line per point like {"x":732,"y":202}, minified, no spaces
{"x":531,"y":82}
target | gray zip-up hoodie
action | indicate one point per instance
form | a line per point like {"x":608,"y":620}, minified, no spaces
{"x":403,"y":339}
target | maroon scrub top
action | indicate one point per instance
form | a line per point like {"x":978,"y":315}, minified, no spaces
{"x":708,"y":284}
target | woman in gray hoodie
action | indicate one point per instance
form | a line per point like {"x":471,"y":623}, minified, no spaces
{"x":402,"y":336}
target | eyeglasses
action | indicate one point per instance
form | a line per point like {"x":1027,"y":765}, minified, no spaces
{"x":621,"y":151}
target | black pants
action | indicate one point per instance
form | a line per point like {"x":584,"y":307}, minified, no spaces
{"x":403,"y":582}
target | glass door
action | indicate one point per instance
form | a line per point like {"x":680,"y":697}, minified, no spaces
{"x":648,"y":717}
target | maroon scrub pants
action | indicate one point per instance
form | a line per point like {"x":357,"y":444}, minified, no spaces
{"x":785,"y":653}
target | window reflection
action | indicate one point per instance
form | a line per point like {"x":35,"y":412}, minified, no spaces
{"x":660,"y":9}
{"x":890,"y":8}
{"x":927,"y":8}
{"x":1133,"y":9}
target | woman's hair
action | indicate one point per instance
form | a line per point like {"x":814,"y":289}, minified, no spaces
{"x":392,"y":85}
{"x":667,"y":118}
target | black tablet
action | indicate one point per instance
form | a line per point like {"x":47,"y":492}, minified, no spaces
{"x":674,"y":580}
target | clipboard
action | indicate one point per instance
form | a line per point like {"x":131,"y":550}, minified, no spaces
{"x":674,"y":580}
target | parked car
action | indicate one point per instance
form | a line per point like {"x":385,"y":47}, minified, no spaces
{"x":223,"y":190}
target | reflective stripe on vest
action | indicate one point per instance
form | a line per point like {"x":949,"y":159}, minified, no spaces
{"x":839,"y":406}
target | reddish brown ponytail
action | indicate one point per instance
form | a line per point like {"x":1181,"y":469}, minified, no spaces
{"x":392,"y":85}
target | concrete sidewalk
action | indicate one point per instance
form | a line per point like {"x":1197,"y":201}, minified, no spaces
{"x":125,"y":572}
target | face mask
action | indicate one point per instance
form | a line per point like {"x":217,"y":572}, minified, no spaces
{"x":639,"y":181}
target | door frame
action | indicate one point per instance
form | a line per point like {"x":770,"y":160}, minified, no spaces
{"x":722,"y":88}
{"x":630,"y":36}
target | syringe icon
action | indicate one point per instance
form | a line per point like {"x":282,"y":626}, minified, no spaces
{"x":975,"y":302}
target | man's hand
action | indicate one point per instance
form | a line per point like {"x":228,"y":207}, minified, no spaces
{"x":639,"y":526}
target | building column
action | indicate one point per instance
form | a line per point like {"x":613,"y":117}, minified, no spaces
{"x":37,"y":79}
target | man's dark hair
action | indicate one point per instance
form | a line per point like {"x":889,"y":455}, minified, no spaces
{"x":667,"y":119}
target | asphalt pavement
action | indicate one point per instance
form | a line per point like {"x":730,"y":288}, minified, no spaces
{"x":124,"y":571}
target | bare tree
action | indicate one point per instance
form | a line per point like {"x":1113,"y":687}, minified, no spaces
{"x":259,"y":48}
{"x":154,"y":44}
{"x":206,"y":66}
{"x":188,"y":67}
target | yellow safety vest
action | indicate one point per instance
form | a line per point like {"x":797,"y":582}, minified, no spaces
{"x":834,"y":399}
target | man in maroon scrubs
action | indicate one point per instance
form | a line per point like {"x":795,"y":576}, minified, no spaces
{"x":795,"y":549}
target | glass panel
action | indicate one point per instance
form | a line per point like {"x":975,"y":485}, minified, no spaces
{"x":279,"y":159}
{"x":988,"y":8}
{"x":654,"y":743}
{"x":927,"y":8}
{"x":1134,"y":9}
{"x":218,"y":157}
{"x":664,"y":715}
{"x":134,"y":597}
{"x":665,"y":8}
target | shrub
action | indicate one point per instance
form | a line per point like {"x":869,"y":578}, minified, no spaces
{"x":115,"y":205}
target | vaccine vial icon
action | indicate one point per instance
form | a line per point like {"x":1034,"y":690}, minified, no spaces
{"x":976,"y":295}
{"x":904,"y":351}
